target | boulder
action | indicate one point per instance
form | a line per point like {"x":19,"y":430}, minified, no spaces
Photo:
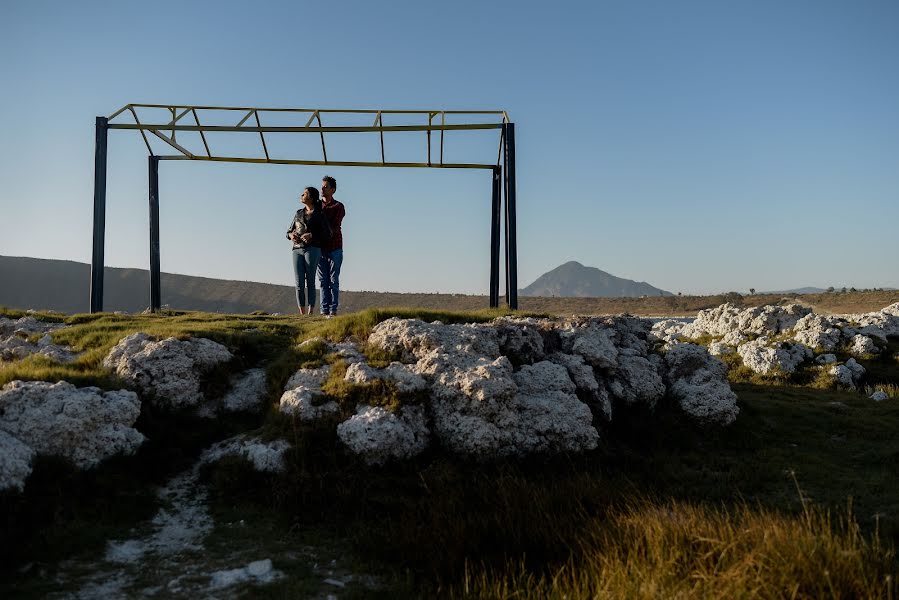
{"x":879,"y":396}
{"x":402,"y":376}
{"x":668,"y":330}
{"x":378,"y":435}
{"x":592,"y":342}
{"x":585,"y":382}
{"x":698,"y":382}
{"x":14,"y":344}
{"x":847,"y":374}
{"x":520,"y":339}
{"x":168,"y":368}
{"x":765,"y":357}
{"x":720,"y":349}
{"x":15,"y":462}
{"x":637,"y":381}
{"x":302,"y":391}
{"x":826,"y":359}
{"x":266,"y":457}
{"x":84,"y":425}
{"x":247,"y":393}
{"x":819,"y":331}
{"x":862,"y":345}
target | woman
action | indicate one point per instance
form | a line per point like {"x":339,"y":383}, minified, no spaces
{"x":308,"y":230}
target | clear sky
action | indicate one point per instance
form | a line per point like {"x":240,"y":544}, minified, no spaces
{"x":700,"y":146}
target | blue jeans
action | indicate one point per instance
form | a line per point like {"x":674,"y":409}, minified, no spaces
{"x":305,"y":261}
{"x":329,"y":278}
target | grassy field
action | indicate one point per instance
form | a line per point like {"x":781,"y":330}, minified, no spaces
{"x":797,"y":499}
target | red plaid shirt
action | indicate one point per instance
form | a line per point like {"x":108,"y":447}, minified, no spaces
{"x":334,"y":212}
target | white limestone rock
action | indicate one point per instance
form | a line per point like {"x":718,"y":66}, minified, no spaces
{"x":698,"y":381}
{"x":402,"y":376}
{"x":759,"y":320}
{"x":637,"y":381}
{"x":247,"y":392}
{"x":168,"y":368}
{"x":84,"y":425}
{"x":592,"y":342}
{"x":15,"y":462}
{"x":863,"y":345}
{"x":880,"y":324}
{"x":14,"y":344}
{"x":520,"y":339}
{"x":584,"y":379}
{"x":302,"y":392}
{"x":379,"y":436}
{"x":668,"y":330}
{"x":487,"y":416}
{"x":826,"y":359}
{"x":819,"y":331}
{"x":879,"y":396}
{"x":266,"y":457}
{"x":720,"y":349}
{"x":414,"y":339}
{"x":779,"y":357}
{"x":733,"y":338}
{"x":847,"y":374}
{"x":348,"y":351}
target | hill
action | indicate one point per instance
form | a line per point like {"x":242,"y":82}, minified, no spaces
{"x":64,"y":286}
{"x":573,"y":279}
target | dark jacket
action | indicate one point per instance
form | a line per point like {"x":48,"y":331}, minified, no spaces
{"x":316,"y":224}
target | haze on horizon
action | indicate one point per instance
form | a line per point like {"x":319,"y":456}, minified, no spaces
{"x":698,"y":146}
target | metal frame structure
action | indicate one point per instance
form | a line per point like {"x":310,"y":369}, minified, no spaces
{"x":503,"y":172}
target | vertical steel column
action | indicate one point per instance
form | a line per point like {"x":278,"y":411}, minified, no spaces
{"x":511,"y":229}
{"x":495,"y":215}
{"x":97,"y":257}
{"x":155,"y":296}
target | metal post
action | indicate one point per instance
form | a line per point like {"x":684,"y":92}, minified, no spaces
{"x":511,"y":242}
{"x":97,"y":257}
{"x":495,"y":215}
{"x":155,"y":296}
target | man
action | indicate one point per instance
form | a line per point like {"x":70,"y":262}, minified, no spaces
{"x":332,"y":250}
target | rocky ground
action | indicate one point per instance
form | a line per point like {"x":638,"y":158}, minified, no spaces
{"x":514,"y":387}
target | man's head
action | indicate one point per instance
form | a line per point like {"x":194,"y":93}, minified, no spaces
{"x":329,"y":186}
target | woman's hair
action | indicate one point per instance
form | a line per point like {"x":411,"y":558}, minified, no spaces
{"x":313,"y":193}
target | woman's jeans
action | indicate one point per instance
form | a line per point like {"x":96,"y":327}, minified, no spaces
{"x":329,"y":278}
{"x":305,"y":263}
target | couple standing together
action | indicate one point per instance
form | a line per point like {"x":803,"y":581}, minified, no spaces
{"x":318,"y":246}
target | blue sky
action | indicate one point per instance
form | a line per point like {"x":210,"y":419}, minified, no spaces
{"x":699,"y":146}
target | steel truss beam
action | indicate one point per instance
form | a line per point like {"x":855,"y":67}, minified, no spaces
{"x":502,"y":180}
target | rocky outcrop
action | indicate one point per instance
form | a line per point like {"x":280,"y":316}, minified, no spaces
{"x":847,"y":374}
{"x":84,"y":425}
{"x":266,"y":457}
{"x":15,"y":344}
{"x":758,"y":320}
{"x":15,"y":462}
{"x":819,"y":332}
{"x":302,"y":394}
{"x":378,"y":435}
{"x":401,"y":376}
{"x":169,"y":369}
{"x":247,"y":392}
{"x":774,"y":357}
{"x":698,"y":382}
{"x":862,"y":345}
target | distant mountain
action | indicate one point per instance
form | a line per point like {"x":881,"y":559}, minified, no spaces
{"x":64,"y":286}
{"x":575,"y":280}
